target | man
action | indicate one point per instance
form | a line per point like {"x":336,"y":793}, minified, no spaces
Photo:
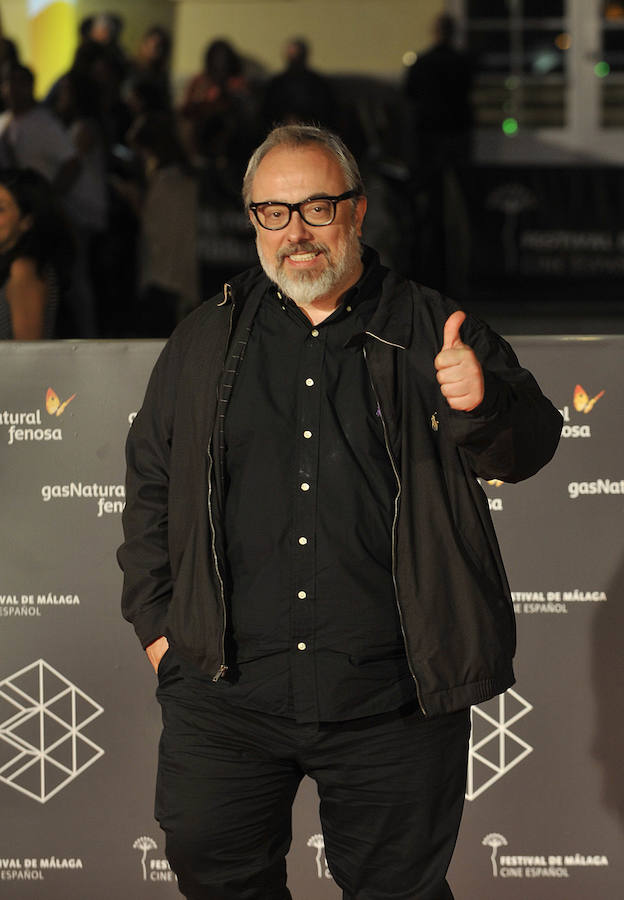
{"x":298,"y":93}
{"x":439,"y":84}
{"x":309,"y":559}
{"x":439,"y":87}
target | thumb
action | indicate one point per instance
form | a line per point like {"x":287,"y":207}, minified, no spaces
{"x":451,"y":330}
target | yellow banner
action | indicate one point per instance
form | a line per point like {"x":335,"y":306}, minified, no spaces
{"x":53,"y":27}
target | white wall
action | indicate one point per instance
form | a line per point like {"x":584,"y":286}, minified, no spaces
{"x":368,"y":36}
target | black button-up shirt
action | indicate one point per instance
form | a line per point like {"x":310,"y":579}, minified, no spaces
{"x":314,"y":626}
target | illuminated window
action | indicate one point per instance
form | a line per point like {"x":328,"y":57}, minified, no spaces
{"x":610,"y":67}
{"x":521,"y":52}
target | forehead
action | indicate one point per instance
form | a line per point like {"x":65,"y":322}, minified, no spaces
{"x":294,"y":173}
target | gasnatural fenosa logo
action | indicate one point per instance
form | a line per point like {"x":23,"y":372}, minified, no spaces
{"x":29,"y":425}
{"x":54,"y":406}
{"x":582,"y":403}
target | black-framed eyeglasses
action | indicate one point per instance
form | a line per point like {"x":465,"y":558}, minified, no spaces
{"x":316,"y":211}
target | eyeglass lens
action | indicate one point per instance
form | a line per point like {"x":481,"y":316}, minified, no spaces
{"x":314,"y":212}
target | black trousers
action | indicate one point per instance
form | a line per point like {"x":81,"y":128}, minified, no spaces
{"x":391,"y":792}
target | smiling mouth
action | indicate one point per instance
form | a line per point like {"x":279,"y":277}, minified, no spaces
{"x":303,"y":257}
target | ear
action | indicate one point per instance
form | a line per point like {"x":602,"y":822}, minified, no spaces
{"x":359,"y":213}
{"x":25,"y":224}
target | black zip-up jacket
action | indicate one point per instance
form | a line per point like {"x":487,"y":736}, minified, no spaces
{"x":452,"y":593}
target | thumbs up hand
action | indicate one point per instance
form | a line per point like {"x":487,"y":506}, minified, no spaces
{"x":459,"y":372}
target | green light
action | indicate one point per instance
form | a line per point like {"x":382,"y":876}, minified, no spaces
{"x":510,"y":127}
{"x":602,"y":69}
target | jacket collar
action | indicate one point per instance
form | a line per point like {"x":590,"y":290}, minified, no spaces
{"x":242,"y":285}
{"x":392,"y":321}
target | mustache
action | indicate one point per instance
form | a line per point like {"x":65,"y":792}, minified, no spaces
{"x":303,"y":247}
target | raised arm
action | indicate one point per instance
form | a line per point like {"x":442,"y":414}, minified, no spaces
{"x":497,"y":412}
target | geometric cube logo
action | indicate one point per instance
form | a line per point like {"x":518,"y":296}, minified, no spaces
{"x":494,"y":747}
{"x":42,"y":720}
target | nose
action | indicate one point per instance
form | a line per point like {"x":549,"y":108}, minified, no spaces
{"x":297,"y":229}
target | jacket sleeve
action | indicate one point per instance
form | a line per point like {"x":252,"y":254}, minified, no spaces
{"x":516,"y":429}
{"x":144,"y":555}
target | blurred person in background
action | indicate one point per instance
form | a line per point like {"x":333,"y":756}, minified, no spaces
{"x":439,"y":86}
{"x":167,"y":211}
{"x":79,"y":106}
{"x":8,"y":54}
{"x":148,"y":71}
{"x":35,"y":256}
{"x":106,"y":29}
{"x":31,"y":136}
{"x":298,"y":94}
{"x":217,"y":110}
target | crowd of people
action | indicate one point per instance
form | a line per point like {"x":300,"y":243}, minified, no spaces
{"x":145,"y":191}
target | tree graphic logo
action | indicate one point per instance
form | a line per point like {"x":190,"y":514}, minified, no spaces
{"x":318,"y":843}
{"x":145,"y":844}
{"x":512,"y":200}
{"x":494,"y":841}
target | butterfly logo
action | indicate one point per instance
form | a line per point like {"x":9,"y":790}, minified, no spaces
{"x":54,"y":407}
{"x":582,"y":402}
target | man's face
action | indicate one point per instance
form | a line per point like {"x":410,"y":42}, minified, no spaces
{"x":308,"y":263}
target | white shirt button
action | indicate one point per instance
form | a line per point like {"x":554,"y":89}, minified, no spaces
{"x":348,"y":309}
{"x":301,"y":646}
{"x":314,"y":332}
{"x":309,"y":382}
{"x":307,"y":434}
{"x":303,"y":540}
{"x":305,"y":486}
{"x":302,"y":595}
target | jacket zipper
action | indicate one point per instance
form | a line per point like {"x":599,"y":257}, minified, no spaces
{"x":394,"y":524}
{"x":222,"y":667}
{"x":227,"y":295}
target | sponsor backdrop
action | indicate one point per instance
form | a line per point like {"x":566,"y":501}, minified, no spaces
{"x":545,"y":231}
{"x":78,"y":721}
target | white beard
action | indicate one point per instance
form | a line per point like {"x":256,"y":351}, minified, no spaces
{"x":306,"y":286}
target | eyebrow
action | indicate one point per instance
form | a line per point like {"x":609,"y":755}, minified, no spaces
{"x":320,"y":195}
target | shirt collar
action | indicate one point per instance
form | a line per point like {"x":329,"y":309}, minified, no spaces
{"x":390,"y":319}
{"x":357,"y":298}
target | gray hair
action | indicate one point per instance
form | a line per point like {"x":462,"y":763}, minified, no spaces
{"x":302,"y":136}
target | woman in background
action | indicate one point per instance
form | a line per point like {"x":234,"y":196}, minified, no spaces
{"x":167,"y":210}
{"x":35,"y":256}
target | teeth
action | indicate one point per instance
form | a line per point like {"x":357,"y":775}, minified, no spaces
{"x":302,"y":257}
